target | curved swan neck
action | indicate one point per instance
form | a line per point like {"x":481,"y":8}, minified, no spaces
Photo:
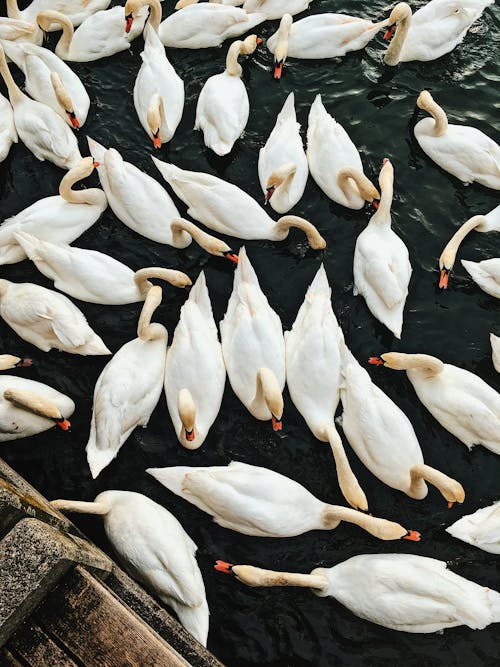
{"x":365,"y":187}
{"x":232,"y":65}
{"x":403,"y":22}
{"x":34,"y":403}
{"x":381,"y":528}
{"x":172,"y":276}
{"x":15,"y":94}
{"x":450,"y":489}
{"x":80,"y":506}
{"x":146,"y":330}
{"x":13,"y":9}
{"x":269,"y":390}
{"x":48,"y":17}
{"x":212,"y":245}
{"x":386,"y":183}
{"x":449,"y":253}
{"x":91,"y":196}
{"x":256,"y":576}
{"x":425,"y":101}
{"x":406,"y":362}
{"x":348,"y":483}
{"x":155,"y":14}
{"x":283,"y":225}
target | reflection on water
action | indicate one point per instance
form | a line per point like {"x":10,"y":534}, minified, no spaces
{"x":376,"y":104}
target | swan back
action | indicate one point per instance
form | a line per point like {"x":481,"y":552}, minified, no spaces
{"x":481,"y":529}
{"x":486,"y":274}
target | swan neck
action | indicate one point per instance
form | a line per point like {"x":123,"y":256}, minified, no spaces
{"x":63,"y":45}
{"x":269,"y":390}
{"x":283,"y":225}
{"x":15,"y":94}
{"x":13,"y":9}
{"x":209,"y":243}
{"x":450,"y":489}
{"x":450,"y":251}
{"x":393,"y":52}
{"x":89,"y":196}
{"x":440,"y":118}
{"x":256,"y":576}
{"x":172,"y":276}
{"x":383,"y":213}
{"x":381,"y":528}
{"x":365,"y":187}
{"x":145,"y":330}
{"x":348,"y":482}
{"x":155,"y":14}
{"x":232,"y":65}
{"x":81,"y":507}
{"x":187,"y":414}
{"x":33,"y":402}
{"x":430,"y":366}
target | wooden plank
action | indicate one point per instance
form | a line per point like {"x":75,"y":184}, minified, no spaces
{"x":97,"y":629}
{"x":7,"y":659}
{"x":33,"y":646}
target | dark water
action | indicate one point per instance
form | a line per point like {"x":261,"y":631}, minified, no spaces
{"x":376,"y":104}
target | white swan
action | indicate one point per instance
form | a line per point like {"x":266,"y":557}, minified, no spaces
{"x":76,"y":10}
{"x":143,"y":205}
{"x":213,"y":202}
{"x":486,"y":274}
{"x":320,"y":36}
{"x":253,"y":346}
{"x":282,"y":161}
{"x":463,"y":151}
{"x":383,"y":438}
{"x":28,"y":408}
{"x":128,"y":388}
{"x":60,"y":219}
{"x":155,"y":549}
{"x":313,"y":362}
{"x":382,"y":268}
{"x":8,"y":133}
{"x":158,"y":91}
{"x":20,"y":31}
{"x":263,"y":503}
{"x":47,"y":319}
{"x":9,"y":361}
{"x":203,"y":26}
{"x":273,"y":9}
{"x":66,"y":95}
{"x":40,"y":128}
{"x":495,"y":351}
{"x":101,"y":35}
{"x":334,"y":161}
{"x":223,"y":107}
{"x":481,"y":529}
{"x":92,"y":276}
{"x":398,"y":591}
{"x":195,"y":374}
{"x":434,"y":30}
{"x":460,"y":401}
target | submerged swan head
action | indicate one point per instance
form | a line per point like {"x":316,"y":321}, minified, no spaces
{"x":280,"y":177}
{"x":187,"y":413}
{"x":281,"y":50}
{"x":64,"y":99}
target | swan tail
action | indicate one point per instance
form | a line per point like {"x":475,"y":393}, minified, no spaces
{"x":172,"y":478}
{"x":317,"y":111}
{"x":245,"y":272}
{"x":96,"y":149}
{"x":288,"y":111}
{"x":169,"y":171}
{"x":194,"y":619}
{"x":200,"y":296}
{"x":319,"y":285}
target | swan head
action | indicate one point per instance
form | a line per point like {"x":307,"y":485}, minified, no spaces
{"x":64,"y":99}
{"x":281,"y":50}
{"x":249,"y":44}
{"x":153,"y":116}
{"x":425,"y":100}
{"x":278,"y":177}
{"x":401,"y":12}
{"x":187,"y":413}
{"x":8,"y":361}
{"x":394,"y":360}
{"x":131,"y":6}
{"x":38,"y":405}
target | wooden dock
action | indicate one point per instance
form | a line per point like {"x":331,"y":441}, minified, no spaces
{"x":64,"y":603}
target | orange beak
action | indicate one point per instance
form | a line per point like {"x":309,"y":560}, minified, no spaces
{"x":277,"y":423}
{"x":450,"y":504}
{"x":156,"y":139}
{"x":129,"y":19}
{"x":259,"y":40}
{"x":390,"y":32}
{"x":376,"y":204}
{"x":443,"y":278}
{"x":412,"y":535}
{"x":278,"y":70}
{"x":65,"y":424}
{"x":376,"y":361}
{"x":24,"y":363}
{"x":222,"y":566}
{"x":73,"y":119}
{"x":96,"y":164}
{"x":190,"y":435}
{"x":231,"y":256}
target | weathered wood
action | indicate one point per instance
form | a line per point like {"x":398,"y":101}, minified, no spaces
{"x":98,"y":629}
{"x":8,"y":660}
{"x":36,"y":649}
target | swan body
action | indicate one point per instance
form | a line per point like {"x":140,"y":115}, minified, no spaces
{"x":90,"y":275}
{"x":334,"y":161}
{"x":157,"y":77}
{"x":128,"y":388}
{"x":260,"y":502}
{"x":37,"y":63}
{"x":47,"y":319}
{"x":486,"y":274}
{"x":206,"y":25}
{"x":481,"y":529}
{"x":213,"y":202}
{"x":195,"y":373}
{"x":321,"y":36}
{"x":76,"y":10}
{"x":382,"y":268}
{"x":155,"y":549}
{"x":492,"y":222}
{"x":253,"y":346}
{"x":434,"y":30}
{"x":461,"y":150}
{"x":20,"y":31}
{"x":28,"y":407}
{"x":59,"y":219}
{"x":282,"y":162}
{"x":274,"y":9}
{"x":495,"y":351}
{"x":223,"y":107}
{"x":8,"y":133}
{"x":383,"y":438}
{"x":402,"y":592}
{"x":101,"y":35}
{"x":39,"y":127}
{"x":459,"y":400}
